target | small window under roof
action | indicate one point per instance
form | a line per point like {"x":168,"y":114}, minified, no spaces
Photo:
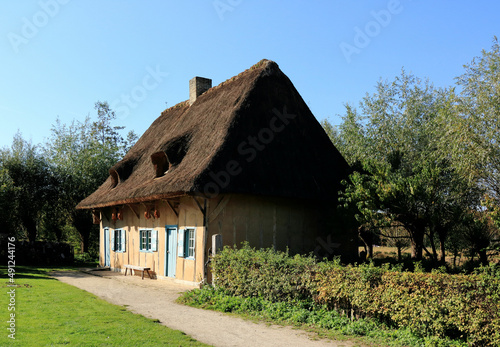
{"x":114,"y":177}
{"x":170,"y":155}
{"x":160,"y":163}
{"x":122,"y":170}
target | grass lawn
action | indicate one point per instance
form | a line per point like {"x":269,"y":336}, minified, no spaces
{"x":51,"y":313}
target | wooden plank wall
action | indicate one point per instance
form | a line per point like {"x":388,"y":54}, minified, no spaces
{"x":301,"y":226}
{"x":189,"y":216}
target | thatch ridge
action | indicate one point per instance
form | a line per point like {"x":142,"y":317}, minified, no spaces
{"x":203,"y":139}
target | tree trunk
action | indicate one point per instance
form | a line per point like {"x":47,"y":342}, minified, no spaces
{"x":433,"y":247}
{"x":369,"y":255}
{"x":417,"y":244}
{"x":442,"y":250}
{"x":442,"y":233}
{"x":367,"y":237}
{"x":416,"y":250}
{"x":417,"y":233}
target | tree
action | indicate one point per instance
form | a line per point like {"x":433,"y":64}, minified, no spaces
{"x":396,"y":236}
{"x":8,"y":207}
{"x":350,"y":137}
{"x":29,"y":185}
{"x":404,"y":178}
{"x":473,"y":134}
{"x":82,"y":154}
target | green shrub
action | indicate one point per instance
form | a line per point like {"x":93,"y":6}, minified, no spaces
{"x":269,"y":274}
{"x":85,"y":258}
{"x":431,"y":305}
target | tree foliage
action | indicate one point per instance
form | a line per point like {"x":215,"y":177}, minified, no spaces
{"x":402,"y":176}
{"x":28,"y":184}
{"x":82,"y":154}
{"x":40,"y":186}
{"x":474,"y":131}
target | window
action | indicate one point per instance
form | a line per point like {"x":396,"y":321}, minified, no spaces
{"x":148,"y":240}
{"x":145,"y":240}
{"x":160,"y":162}
{"x":118,"y":239}
{"x":186,"y":243}
{"x":190,"y":243}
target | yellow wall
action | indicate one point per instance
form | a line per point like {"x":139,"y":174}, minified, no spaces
{"x":299,"y":225}
{"x":189,"y":216}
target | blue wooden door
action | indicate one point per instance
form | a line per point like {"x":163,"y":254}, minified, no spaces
{"x":170,"y":250}
{"x":106,"y":247}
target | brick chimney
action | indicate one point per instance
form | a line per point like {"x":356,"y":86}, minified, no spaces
{"x":198,"y":86}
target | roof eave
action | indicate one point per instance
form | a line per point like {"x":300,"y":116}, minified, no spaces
{"x":150,"y":198}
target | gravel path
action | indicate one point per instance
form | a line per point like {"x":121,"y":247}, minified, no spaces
{"x":156,"y":299}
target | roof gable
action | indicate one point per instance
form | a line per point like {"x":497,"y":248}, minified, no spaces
{"x":252,"y":134}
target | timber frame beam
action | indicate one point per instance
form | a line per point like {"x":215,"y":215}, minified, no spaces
{"x":172,"y":207}
{"x":133,"y":210}
{"x":202,"y":209}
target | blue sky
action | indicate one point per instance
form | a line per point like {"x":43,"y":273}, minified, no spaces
{"x":58,"y":57}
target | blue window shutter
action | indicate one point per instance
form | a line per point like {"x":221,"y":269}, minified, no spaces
{"x":112,"y":240}
{"x":180,"y":243}
{"x":140,"y":239}
{"x":154,"y":240}
{"x":123,"y":240}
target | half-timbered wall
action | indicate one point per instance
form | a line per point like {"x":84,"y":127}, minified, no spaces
{"x":301,"y":226}
{"x":297,"y":225}
{"x":187,"y":215}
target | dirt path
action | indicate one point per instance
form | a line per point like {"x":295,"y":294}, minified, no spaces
{"x":156,"y":299}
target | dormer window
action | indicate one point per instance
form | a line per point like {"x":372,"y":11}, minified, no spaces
{"x":114,"y":177}
{"x":170,"y":155}
{"x":122,"y":170}
{"x":160,"y":163}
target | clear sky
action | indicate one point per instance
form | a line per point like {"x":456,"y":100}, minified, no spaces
{"x":58,"y":57}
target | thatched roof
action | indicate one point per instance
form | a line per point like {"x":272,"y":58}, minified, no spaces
{"x":252,"y":134}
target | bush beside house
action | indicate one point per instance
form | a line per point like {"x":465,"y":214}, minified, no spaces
{"x":464,"y":307}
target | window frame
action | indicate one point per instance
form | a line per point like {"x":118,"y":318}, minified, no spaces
{"x":119,"y":240}
{"x":190,"y":243}
{"x":145,"y":234}
{"x":150,"y":236}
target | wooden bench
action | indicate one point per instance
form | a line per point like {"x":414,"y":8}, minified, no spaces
{"x":138,"y":268}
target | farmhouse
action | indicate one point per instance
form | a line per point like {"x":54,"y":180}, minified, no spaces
{"x":243,"y":161}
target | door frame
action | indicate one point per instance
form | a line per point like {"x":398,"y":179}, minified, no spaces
{"x":170,"y":254}
{"x":107,"y":252}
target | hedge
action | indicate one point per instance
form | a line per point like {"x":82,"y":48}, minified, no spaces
{"x":462,"y":306}
{"x":272,"y":275}
{"x":456,"y":306}
{"x":40,"y":253}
